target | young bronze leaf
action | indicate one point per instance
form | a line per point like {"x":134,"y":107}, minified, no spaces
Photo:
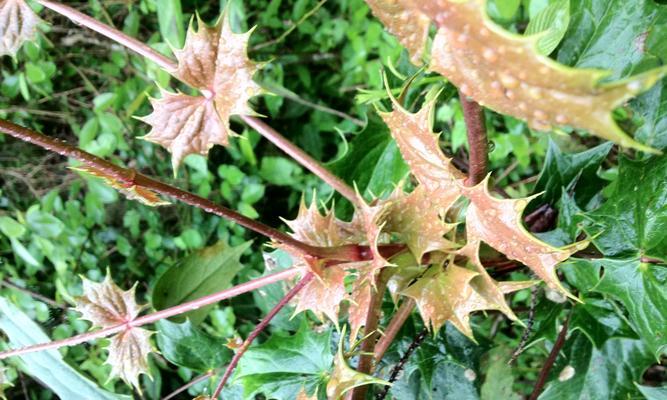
{"x":498,"y":223}
{"x":409,"y":26}
{"x":323,"y":294}
{"x":343,"y":379}
{"x":450,"y":294}
{"x":18,"y":23}
{"x":213,"y":60}
{"x":505,"y":72}
{"x":132,"y":192}
{"x":106,"y":305}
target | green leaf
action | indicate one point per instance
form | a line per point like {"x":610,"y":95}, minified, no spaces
{"x":170,"y":19}
{"x":201,"y":273}
{"x":499,"y":378}
{"x":48,"y":366}
{"x":592,"y":374}
{"x":279,"y":171}
{"x":503,"y":9}
{"x":44,"y":224}
{"x":651,"y":108}
{"x":653,"y":393}
{"x":632,"y":222}
{"x":11,"y":228}
{"x":185,"y":345}
{"x":552,"y":23}
{"x":281,"y":366}
{"x":640,"y":287}
{"x":561,"y":170}
{"x":599,"y":320}
{"x":20,"y":250}
{"x":373,"y":162}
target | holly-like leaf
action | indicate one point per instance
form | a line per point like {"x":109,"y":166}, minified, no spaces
{"x":323,"y":294}
{"x":187,"y":346}
{"x":505,"y":72}
{"x":498,"y":223}
{"x":410,"y":27}
{"x":106,"y":305}
{"x":343,"y":379}
{"x":18,"y":23}
{"x":132,"y":192}
{"x":215,"y":62}
{"x":448,"y":294}
{"x":598,"y":374}
{"x":284,"y":365}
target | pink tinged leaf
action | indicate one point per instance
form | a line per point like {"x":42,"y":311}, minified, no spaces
{"x":323,"y":294}
{"x":132,"y":192}
{"x":213,"y":60}
{"x":498,"y":223}
{"x":106,"y":305}
{"x":410,"y":27}
{"x":505,"y":72}
{"x":186,"y":125}
{"x":360,"y":302}
{"x":18,"y":23}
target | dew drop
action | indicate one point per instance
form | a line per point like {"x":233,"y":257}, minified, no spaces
{"x":510,"y":94}
{"x":561,"y":119}
{"x":470,"y":375}
{"x":535,"y":93}
{"x":509,"y":81}
{"x":522,"y":106}
{"x":496,"y":85}
{"x":539,"y":114}
{"x":566,"y":374}
{"x":462,"y":38}
{"x":634,"y":86}
{"x":490,"y":55}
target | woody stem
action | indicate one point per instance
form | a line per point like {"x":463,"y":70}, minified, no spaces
{"x":473,"y":114}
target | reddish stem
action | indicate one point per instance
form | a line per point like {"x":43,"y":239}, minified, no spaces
{"x":156,"y":316}
{"x":189,"y":385}
{"x":258,"y":329}
{"x":393,"y":328}
{"x":130,"y":177}
{"x":370,"y":332}
{"x":553,"y":355}
{"x":477,"y":140}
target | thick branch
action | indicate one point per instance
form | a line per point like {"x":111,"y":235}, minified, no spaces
{"x":130,"y":177}
{"x":370,"y":333}
{"x":258,"y":329}
{"x":393,"y":328}
{"x":156,"y":316}
{"x":477,"y":140}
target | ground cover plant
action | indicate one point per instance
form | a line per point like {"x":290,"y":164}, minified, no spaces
{"x":469,"y":200}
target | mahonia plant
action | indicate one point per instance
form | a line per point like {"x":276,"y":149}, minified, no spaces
{"x":410,"y":242}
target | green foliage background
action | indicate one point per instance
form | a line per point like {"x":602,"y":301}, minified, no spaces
{"x":56,"y":225}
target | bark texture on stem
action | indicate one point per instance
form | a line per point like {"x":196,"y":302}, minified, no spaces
{"x":258,"y":329}
{"x":553,"y":355}
{"x":393,"y":328}
{"x":473,"y":114}
{"x":156,"y":316}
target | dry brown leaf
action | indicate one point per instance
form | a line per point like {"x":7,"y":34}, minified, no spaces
{"x":18,"y":23}
{"x":106,"y":305}
{"x":215,"y":61}
{"x":132,"y":192}
{"x":504,"y":71}
{"x":498,"y":223}
{"x":410,"y":27}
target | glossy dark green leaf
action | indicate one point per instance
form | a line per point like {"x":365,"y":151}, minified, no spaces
{"x":597,"y":374}
{"x":201,"y":273}
{"x":653,"y":393}
{"x":561,"y":170}
{"x":651,"y":108}
{"x":185,"y":345}
{"x":640,"y":287}
{"x":600,"y":321}
{"x":499,"y":379}
{"x":280,"y":367}
{"x":373,"y":162}
{"x":633,"y":220}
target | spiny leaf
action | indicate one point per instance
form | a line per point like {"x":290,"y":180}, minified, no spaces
{"x":106,"y":305}
{"x":323,"y":294}
{"x":498,"y":223}
{"x":505,"y":72}
{"x":132,"y":192}
{"x":343,"y":379}
{"x":213,"y":60}
{"x":18,"y":23}
{"x":410,"y":27}
{"x":448,"y":294}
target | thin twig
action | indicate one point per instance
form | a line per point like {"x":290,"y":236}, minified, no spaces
{"x":477,"y":140}
{"x":156,"y":316}
{"x":258,"y":329}
{"x":401,"y":363}
{"x":371,"y":332}
{"x":291,"y":28}
{"x":553,"y":355}
{"x":302,"y":158}
{"x":37,"y":296}
{"x":529,"y":326}
{"x":393,"y":328}
{"x":189,"y":385}
{"x":130,"y":178}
